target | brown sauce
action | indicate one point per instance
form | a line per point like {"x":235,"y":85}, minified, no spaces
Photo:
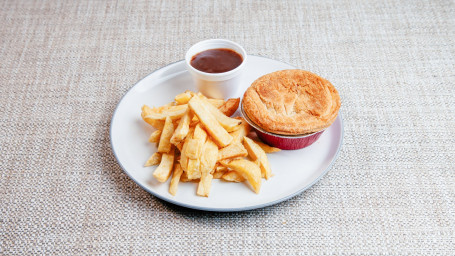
{"x":216,"y":60}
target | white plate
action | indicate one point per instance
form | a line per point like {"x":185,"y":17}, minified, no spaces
{"x":294,"y":170}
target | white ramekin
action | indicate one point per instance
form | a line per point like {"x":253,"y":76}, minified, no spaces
{"x":216,"y":85}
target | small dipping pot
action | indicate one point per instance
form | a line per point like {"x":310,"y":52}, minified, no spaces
{"x":216,"y":85}
{"x":286,"y":142}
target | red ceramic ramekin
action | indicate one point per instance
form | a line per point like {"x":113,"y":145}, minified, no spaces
{"x":286,"y":142}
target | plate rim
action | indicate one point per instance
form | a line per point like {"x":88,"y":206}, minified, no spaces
{"x":209,"y":209}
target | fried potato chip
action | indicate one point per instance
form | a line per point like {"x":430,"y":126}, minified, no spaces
{"x":174,"y":112}
{"x":209,"y":156}
{"x":266,"y":148}
{"x":256,"y":153}
{"x":224,"y":162}
{"x":208,"y":161}
{"x":230,"y":106}
{"x":194,"y":122}
{"x":204,"y":185}
{"x":198,"y":141}
{"x":153,"y":160}
{"x":163,"y":171}
{"x":243,"y":131}
{"x":231,"y":151}
{"x":146,"y":110}
{"x":193,"y":149}
{"x":183,"y":157}
{"x":183,"y":98}
{"x":228,"y":123}
{"x":183,"y":128}
{"x":216,"y":102}
{"x":184,"y":178}
{"x":219,"y":171}
{"x":180,"y":145}
{"x":233,"y":176}
{"x":199,"y":133}
{"x":248,"y":170}
{"x":193,"y":152}
{"x":165,"y":140}
{"x":155,"y":136}
{"x":216,"y":131}
{"x":176,"y":174}
{"x":193,"y":169}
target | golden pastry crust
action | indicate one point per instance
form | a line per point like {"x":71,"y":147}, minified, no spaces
{"x":291,"y":102}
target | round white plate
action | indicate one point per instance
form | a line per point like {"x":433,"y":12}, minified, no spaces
{"x":294,"y":170}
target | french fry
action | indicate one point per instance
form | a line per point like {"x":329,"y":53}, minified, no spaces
{"x":165,"y":140}
{"x":183,"y":98}
{"x":193,"y":169}
{"x":180,"y":145}
{"x":174,"y":112}
{"x":249,"y":170}
{"x":155,"y":136}
{"x":193,"y":152}
{"x":194,"y":122}
{"x":176,"y":174}
{"x":199,"y":133}
{"x":219,"y":171}
{"x":183,"y":157}
{"x":233,"y":176}
{"x":230,"y":106}
{"x":231,"y":151}
{"x":153,"y":160}
{"x":163,"y":171}
{"x":198,"y":141}
{"x":205,"y":184}
{"x":216,"y":102}
{"x":184,"y":178}
{"x":256,"y":153}
{"x":243,"y":131}
{"x":216,"y":131}
{"x":209,"y":156}
{"x":266,"y":148}
{"x":183,"y":128}
{"x":146,"y":110}
{"x":230,"y":124}
{"x":193,"y":149}
{"x":208,"y":161}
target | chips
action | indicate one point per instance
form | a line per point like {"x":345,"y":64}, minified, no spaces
{"x":230,"y":106}
{"x":197,"y":141}
{"x":209,"y":158}
{"x":177,"y":173}
{"x":155,"y":159}
{"x":164,"y":145}
{"x":209,"y":121}
{"x":249,"y":170}
{"x":183,"y":128}
{"x":257,"y":153}
{"x":174,"y":112}
{"x":234,"y":150}
{"x":155,"y":136}
{"x":233,"y":176}
{"x":267,"y":148}
{"x":163,"y":171}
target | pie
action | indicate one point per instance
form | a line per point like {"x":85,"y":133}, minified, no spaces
{"x":291,"y":102}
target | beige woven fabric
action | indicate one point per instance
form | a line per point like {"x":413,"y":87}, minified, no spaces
{"x":65,"y":65}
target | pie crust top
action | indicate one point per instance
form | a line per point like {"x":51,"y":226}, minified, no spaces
{"x":291,"y":102}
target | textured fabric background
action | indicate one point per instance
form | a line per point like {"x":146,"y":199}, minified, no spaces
{"x":65,"y":65}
